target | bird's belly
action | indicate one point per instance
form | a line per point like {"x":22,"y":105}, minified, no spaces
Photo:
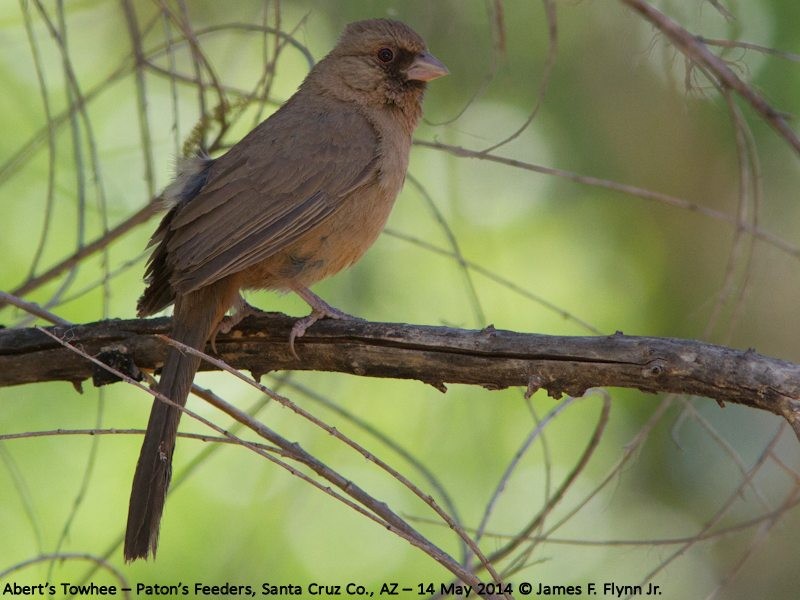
{"x":333,"y":245}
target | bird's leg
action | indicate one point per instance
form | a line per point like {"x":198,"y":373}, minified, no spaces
{"x":319,"y":310}
{"x":241,"y":309}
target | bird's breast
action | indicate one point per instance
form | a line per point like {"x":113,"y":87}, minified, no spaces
{"x":392,"y":167}
{"x":344,"y":236}
{"x":333,"y":245}
{"x":394,"y":140}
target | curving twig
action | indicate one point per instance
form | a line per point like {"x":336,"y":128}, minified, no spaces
{"x":695,"y":50}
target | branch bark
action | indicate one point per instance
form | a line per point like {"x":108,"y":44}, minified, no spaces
{"x":490,"y":358}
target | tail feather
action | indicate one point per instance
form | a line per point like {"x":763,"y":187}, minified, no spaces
{"x":196,"y":315}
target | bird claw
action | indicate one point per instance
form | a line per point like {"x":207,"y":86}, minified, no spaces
{"x":301,"y":325}
{"x":242,"y":310}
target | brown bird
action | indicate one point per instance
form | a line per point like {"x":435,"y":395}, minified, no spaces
{"x":299,"y":198}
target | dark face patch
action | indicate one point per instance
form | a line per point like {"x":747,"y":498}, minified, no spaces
{"x":397,"y":67}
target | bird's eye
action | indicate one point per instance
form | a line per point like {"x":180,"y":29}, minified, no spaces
{"x":385,"y":55}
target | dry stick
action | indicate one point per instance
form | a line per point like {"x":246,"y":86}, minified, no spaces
{"x":141,"y":93}
{"x":455,"y":249}
{"x":172,"y":67}
{"x":516,"y":460}
{"x":76,"y":98}
{"x":705,"y":535}
{"x":571,"y":478}
{"x":180,"y":18}
{"x":490,"y":358}
{"x":52,"y":147}
{"x":722,"y":43}
{"x":217,"y":402}
{"x":286,"y":403}
{"x":629,"y":450}
{"x":4,"y":437}
{"x":144,"y":214}
{"x":321,"y":328}
{"x":291,"y":449}
{"x":31,"y":308}
{"x":139,"y":217}
{"x":385,"y":439}
{"x":739,"y":244}
{"x":382,"y":513}
{"x":75,"y":103}
{"x":723,"y":510}
{"x":756,"y":182}
{"x":727,"y":14}
{"x":282,"y":40}
{"x":201,"y":456}
{"x":11,"y":165}
{"x":696,"y":51}
{"x":768,"y":517}
{"x":630,"y":190}
{"x":537,"y":522}
{"x":544,"y":81}
{"x":497,"y":33}
{"x":793,"y":474}
{"x":724,"y":445}
{"x":758,"y":539}
{"x":547,"y":456}
{"x":498,"y":279}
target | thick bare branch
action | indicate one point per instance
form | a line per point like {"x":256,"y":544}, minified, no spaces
{"x":436,"y":355}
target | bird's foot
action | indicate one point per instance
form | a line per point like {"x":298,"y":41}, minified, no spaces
{"x":319,"y":310}
{"x":241,"y":310}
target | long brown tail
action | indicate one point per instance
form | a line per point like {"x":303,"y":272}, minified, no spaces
{"x":196,"y":316}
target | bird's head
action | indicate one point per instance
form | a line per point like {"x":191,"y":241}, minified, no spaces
{"x":379,"y":63}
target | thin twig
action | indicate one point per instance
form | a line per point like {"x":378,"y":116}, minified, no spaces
{"x":695,"y":50}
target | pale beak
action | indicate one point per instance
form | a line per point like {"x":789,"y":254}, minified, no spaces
{"x":425,"y":68}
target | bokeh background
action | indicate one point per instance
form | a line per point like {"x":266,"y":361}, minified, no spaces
{"x":698,"y":499}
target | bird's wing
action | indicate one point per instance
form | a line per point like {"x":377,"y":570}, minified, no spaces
{"x":286,"y":177}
